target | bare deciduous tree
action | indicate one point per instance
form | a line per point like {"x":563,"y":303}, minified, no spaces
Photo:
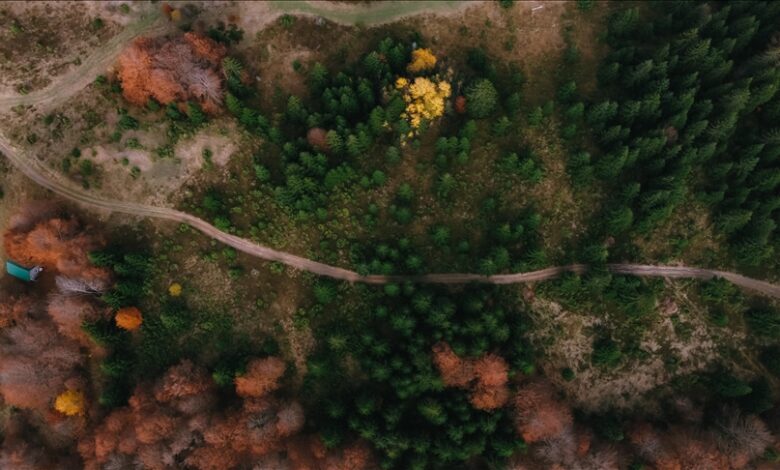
{"x":745,"y":437}
{"x":77,"y":286}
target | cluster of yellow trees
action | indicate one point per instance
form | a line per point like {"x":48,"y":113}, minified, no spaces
{"x":424,"y":97}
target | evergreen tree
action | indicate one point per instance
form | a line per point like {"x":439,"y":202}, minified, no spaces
{"x":481,"y":99}
{"x":335,"y":142}
{"x":318,"y":78}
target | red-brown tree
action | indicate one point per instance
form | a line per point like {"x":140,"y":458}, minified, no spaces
{"x":178,"y":70}
{"x":538,"y":414}
{"x":58,"y":244}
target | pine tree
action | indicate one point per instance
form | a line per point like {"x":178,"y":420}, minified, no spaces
{"x":195,"y":114}
{"x":598,"y":115}
{"x":619,"y":220}
{"x":318,"y":78}
{"x":575,"y":112}
{"x":513,"y":103}
{"x":366,"y":94}
{"x":535,"y":116}
{"x":623,"y":23}
{"x":353,"y":146}
{"x":447,"y":184}
{"x":567,"y":92}
{"x":364,"y":141}
{"x":232,"y":67}
{"x":481,"y":99}
{"x":296,"y":112}
{"x":248,"y":118}
{"x":610,"y":166}
{"x":373,"y":64}
{"x":376,"y":120}
{"x":232,"y":104}
{"x":501,"y":126}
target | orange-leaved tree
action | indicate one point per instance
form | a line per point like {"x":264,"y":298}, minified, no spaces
{"x":129,"y":318}
{"x":486,"y":377}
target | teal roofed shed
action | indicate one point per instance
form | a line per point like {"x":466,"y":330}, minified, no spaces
{"x":25,"y":274}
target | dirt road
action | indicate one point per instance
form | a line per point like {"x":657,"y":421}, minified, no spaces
{"x":31,"y":169}
{"x":72,"y":83}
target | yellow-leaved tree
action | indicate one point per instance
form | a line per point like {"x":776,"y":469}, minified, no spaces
{"x":424,"y":99}
{"x":422,"y":60}
{"x":70,"y":403}
{"x":175,"y":289}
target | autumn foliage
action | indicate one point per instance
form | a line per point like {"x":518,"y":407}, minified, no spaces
{"x":40,"y":353}
{"x":13,"y":309}
{"x":59,"y":244}
{"x":733,"y":442}
{"x":539,"y":414}
{"x":176,"y":421}
{"x":262,"y":376}
{"x":460,"y":104}
{"x":70,"y":312}
{"x":422,"y":60}
{"x":129,"y":318}
{"x":317,"y":138}
{"x":177,"y":70}
{"x":486,"y":377}
{"x":35,"y":362}
{"x":70,"y":403}
{"x":454,"y":371}
{"x":424,"y":98}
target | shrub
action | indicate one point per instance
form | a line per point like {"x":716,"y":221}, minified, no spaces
{"x":535,"y":116}
{"x":86,"y":167}
{"x":726,"y":385}
{"x":97,"y":24}
{"x":127,"y":122}
{"x":764,"y":322}
{"x":606,"y":353}
{"x":770,"y":357}
{"x":501,"y":126}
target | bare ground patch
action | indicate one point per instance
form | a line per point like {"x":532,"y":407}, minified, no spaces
{"x":680,"y":340}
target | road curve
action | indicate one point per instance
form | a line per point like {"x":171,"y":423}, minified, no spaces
{"x":72,"y":83}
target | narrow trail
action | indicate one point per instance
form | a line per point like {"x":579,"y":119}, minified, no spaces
{"x":72,"y":83}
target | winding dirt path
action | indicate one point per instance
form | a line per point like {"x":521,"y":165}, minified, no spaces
{"x":30,"y":167}
{"x":72,"y":83}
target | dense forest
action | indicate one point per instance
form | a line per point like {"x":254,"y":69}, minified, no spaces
{"x":114,"y":366}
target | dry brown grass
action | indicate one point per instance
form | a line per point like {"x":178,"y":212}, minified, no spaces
{"x":41,"y":40}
